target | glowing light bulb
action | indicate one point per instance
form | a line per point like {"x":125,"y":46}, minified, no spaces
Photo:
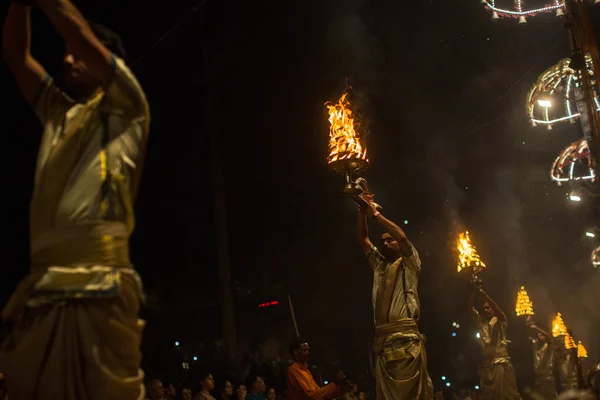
{"x":544,"y":103}
{"x":176,"y":343}
{"x":590,"y":234}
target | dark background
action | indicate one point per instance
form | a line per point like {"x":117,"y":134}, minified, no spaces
{"x":450,"y":147}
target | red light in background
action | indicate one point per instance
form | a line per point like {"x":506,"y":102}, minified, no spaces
{"x":268,"y":304}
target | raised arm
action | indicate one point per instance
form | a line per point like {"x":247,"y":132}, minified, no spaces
{"x":362,"y":232}
{"x":79,"y":38}
{"x":472,"y":310}
{"x":16,"y":45}
{"x":499,"y":313}
{"x":546,"y":335}
{"x":394,"y":230}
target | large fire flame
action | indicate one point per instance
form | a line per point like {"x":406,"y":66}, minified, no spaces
{"x":524,"y":304}
{"x":467,"y":254}
{"x":344,"y":140}
{"x":581,"y":351}
{"x":558,"y":326}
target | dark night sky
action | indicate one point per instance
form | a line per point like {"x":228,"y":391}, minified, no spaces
{"x":450,"y":147}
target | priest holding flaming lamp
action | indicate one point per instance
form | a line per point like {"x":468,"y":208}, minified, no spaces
{"x":565,"y":357}
{"x":497,"y":375}
{"x":543,"y":349}
{"x":399,"y":347}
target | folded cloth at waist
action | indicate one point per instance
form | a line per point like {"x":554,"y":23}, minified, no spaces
{"x":91,"y":243}
{"x":495,"y":361}
{"x":79,"y":261}
{"x":406,"y":326}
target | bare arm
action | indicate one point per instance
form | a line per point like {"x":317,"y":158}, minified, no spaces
{"x":472,"y":310}
{"x":79,"y":38}
{"x":362,"y":232}
{"x":543,"y":332}
{"x":495,"y":307}
{"x":16,"y":46}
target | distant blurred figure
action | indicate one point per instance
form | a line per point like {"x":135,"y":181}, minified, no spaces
{"x":300,"y":381}
{"x":156,"y":390}
{"x":497,"y":375}
{"x":543,"y":363}
{"x":171,"y":392}
{"x":186,"y":394}
{"x":226,"y":391}
{"x":241,"y":392}
{"x":207,"y":383}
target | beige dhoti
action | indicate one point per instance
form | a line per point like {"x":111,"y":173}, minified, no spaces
{"x":498,"y":380}
{"x":401,"y":362}
{"x":78,"y":343}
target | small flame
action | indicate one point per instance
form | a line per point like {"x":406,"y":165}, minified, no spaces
{"x":524,"y":304}
{"x":344,"y":140}
{"x":569,"y":342}
{"x":558,"y":326}
{"x":467,"y":254}
{"x":581,"y":351}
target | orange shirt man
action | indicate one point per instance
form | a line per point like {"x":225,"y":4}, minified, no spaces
{"x":301,"y":384}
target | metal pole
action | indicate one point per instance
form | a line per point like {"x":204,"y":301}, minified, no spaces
{"x":220,"y":214}
{"x":293,"y":315}
{"x":583,"y":42}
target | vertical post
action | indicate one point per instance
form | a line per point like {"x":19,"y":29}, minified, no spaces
{"x":293,"y":315}
{"x":219,"y":212}
{"x":583,"y":42}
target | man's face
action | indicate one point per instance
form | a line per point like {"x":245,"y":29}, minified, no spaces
{"x":77,"y":76}
{"x":389,"y":247}
{"x":157,"y":390}
{"x":541,"y":337}
{"x":208,"y":383}
{"x":228,"y":388}
{"x":302,"y":353}
{"x":259,"y":385}
{"x":242,"y":392}
{"x":171,"y":391}
{"x":489,"y":311}
{"x":186,"y":394}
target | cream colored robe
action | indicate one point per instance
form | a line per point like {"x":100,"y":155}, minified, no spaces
{"x":75,"y":327}
{"x":400,"y":355}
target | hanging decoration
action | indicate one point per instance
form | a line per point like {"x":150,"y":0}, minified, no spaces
{"x":573,"y":163}
{"x":521,"y":9}
{"x":596,"y":257}
{"x":552,"y":98}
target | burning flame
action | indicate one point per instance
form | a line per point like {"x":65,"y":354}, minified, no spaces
{"x":467,"y":254}
{"x":344,"y":140}
{"x":569,"y":342}
{"x":524,"y":304}
{"x":581,"y":351}
{"x":558,"y":326}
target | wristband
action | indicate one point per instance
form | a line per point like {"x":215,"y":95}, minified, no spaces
{"x":376,"y":214}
